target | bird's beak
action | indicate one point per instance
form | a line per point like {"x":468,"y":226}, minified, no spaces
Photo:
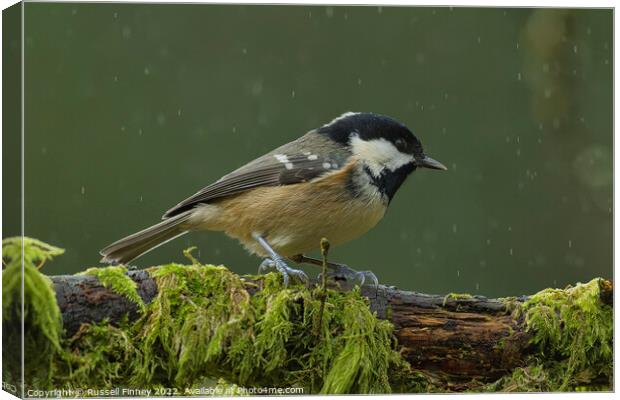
{"x":428,"y":162}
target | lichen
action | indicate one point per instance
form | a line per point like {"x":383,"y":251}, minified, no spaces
{"x":115,"y":278}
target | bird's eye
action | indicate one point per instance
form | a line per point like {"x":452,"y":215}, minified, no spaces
{"x":400,"y":144}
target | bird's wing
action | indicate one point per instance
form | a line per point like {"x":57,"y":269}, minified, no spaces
{"x":299,"y":161}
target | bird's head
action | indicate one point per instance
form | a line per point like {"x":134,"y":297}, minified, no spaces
{"x":388,"y":150}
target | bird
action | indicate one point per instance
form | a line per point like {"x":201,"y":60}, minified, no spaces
{"x":334,"y":182}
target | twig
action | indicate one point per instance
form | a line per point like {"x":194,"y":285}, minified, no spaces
{"x":323,"y":294}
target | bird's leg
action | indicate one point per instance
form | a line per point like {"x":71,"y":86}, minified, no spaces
{"x":277,"y":261}
{"x":339,"y":271}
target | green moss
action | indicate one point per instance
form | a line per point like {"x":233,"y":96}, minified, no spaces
{"x":204,"y":326}
{"x":572,"y":331}
{"x":205,"y":323}
{"x":42,"y":323}
{"x":96,"y":353}
{"x":115,"y":278}
{"x":456,"y":296}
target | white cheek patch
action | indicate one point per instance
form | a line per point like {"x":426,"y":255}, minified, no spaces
{"x":379,"y":154}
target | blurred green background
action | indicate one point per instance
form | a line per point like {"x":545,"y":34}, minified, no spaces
{"x":132,"y":108}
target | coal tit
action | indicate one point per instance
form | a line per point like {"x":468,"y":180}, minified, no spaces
{"x":335,"y":182}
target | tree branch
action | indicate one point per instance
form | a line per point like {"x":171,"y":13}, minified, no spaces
{"x":458,"y":338}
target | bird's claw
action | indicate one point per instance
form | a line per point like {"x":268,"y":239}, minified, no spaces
{"x":341,"y":272}
{"x":284,"y":270}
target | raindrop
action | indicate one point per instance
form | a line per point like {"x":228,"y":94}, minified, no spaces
{"x":511,"y":251}
{"x":140,"y":132}
{"x":83,"y":190}
{"x":179,"y":112}
{"x":126,"y":32}
{"x":346,"y":16}
{"x":517,"y":45}
{"x":257,"y":88}
{"x":453,"y":228}
{"x":478,"y":39}
{"x":458,"y":273}
{"x":115,"y":78}
{"x":244,"y":50}
{"x":589,"y":31}
{"x":518,"y":76}
{"x":380,"y":10}
{"x":359,"y":81}
{"x":575,"y":49}
{"x":234,"y":129}
{"x":147,"y":71}
{"x":570,"y":244}
{"x":73,"y":11}
{"x":140,"y":199}
{"x":293,"y":94}
{"x":115,"y":15}
{"x":123,"y":128}
{"x":329,"y":11}
{"x":477,"y":286}
{"x":488,"y":242}
{"x":518,"y":152}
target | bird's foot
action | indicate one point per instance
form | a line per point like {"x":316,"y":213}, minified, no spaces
{"x":341,"y":272}
{"x":283,"y":269}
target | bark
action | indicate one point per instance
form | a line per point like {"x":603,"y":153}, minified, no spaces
{"x":458,"y":338}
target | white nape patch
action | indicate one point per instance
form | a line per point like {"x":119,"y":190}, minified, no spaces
{"x":379,"y":154}
{"x":312,"y":157}
{"x":343,"y":116}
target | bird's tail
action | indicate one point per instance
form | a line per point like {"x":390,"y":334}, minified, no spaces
{"x":131,"y":247}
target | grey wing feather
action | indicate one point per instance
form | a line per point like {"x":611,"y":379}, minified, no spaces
{"x":307,"y":158}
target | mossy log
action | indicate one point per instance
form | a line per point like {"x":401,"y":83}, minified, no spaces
{"x":456,"y":338}
{"x":183,"y":327}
